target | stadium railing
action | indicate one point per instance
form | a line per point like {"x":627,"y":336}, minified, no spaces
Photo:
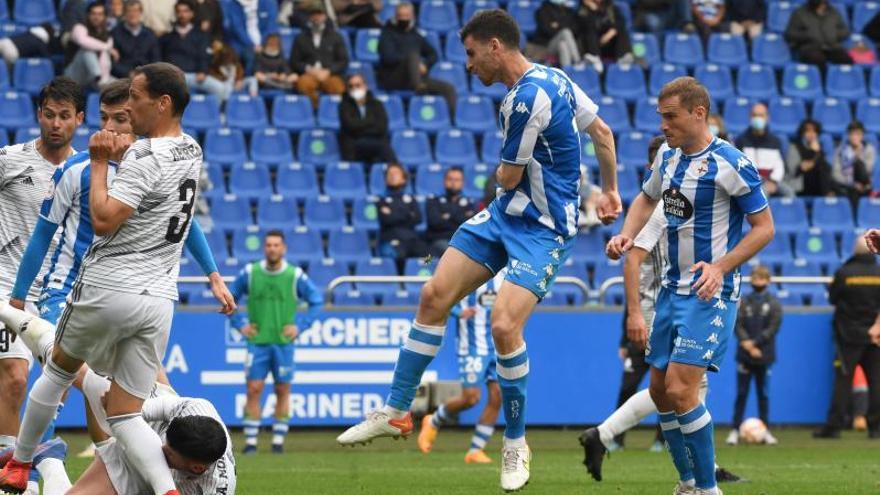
{"x":610,"y":282}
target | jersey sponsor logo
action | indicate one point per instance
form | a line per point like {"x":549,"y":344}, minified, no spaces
{"x":522,"y":108}
{"x":677,"y":207}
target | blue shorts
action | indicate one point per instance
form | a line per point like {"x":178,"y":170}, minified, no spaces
{"x":51,"y":306}
{"x":475,"y":370}
{"x":532,"y":253}
{"x":263,"y":358}
{"x":689,"y":330}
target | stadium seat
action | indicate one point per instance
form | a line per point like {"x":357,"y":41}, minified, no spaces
{"x":433,"y":39}
{"x":800,"y":267}
{"x":727,"y":49}
{"x":429,"y":179}
{"x":717,"y":79}
{"x":217,"y":179}
{"x":846,"y":81}
{"x":230,"y":212}
{"x":304,"y":246}
{"x":776,"y":251}
{"x":217,"y":241}
{"x":646,"y":117}
{"x":589,"y":248}
{"x":628,"y":180}
{"x":826,"y":141}
{"x":475,"y":114}
{"x":683,"y":49}
{"x":411,"y":147}
{"x":292,"y":112}
{"x":625,"y":81}
{"x":81,"y":138}
{"x":802,"y":81}
{"x":572,"y":268}
{"x":327,"y":269}
{"x":588,"y":152}
{"x":475,"y":177}
{"x":400,"y":297}
{"x":394,"y":108}
{"x":365,"y":69}
{"x":246,"y":112}
{"x":646,"y":47}
{"x":770,"y":49}
{"x":868,"y":113}
{"x":287,"y":34}
{"x":756,"y":81}
{"x":376,"y":180}
{"x":453,"y":50}
{"x":632,"y":147}
{"x":4,"y":138}
{"x":786,"y":114}
{"x":225,"y":146}
{"x":456,"y":147}
{"x":490,"y":148}
{"x":31,"y":74}
{"x":247,"y":243}
{"x":348,"y":245}
{"x":471,"y":7}
{"x":4,"y":12}
{"x":869,"y":212}
{"x":605,"y":270}
{"x":277,"y":212}
{"x":93,"y":108}
{"x":189,"y":268}
{"x":376,"y":267}
{"x":778,"y":14}
{"x":417,"y":267}
{"x":789,"y":214}
{"x":524,"y":13}
{"x":586,"y":77}
{"x":661,"y":74}
{"x":816,"y":245}
{"x":438,"y":15}
{"x":328,"y":112}
{"x":613,"y":111}
{"x":388,"y":11}
{"x":345,"y":180}
{"x":324,"y":213}
{"x":318,"y":146}
{"x":23,"y":134}
{"x":428,"y":113}
{"x":496,"y":91}
{"x":250,"y":180}
{"x":297,"y":180}
{"x":863,"y":12}
{"x":271,"y":146}
{"x":202,"y":113}
{"x":34,"y":12}
{"x":344,"y":296}
{"x":834,"y":115}
{"x":818,"y":295}
{"x":833,"y":215}
{"x":366,"y":45}
{"x":364,"y":214}
{"x":451,"y":72}
{"x":737,"y":114}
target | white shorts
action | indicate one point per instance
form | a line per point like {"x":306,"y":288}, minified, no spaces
{"x":124,"y":478}
{"x":11,"y":347}
{"x":117,"y":334}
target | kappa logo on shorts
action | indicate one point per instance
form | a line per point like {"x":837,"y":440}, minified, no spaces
{"x":717,"y":322}
{"x":713,"y":338}
{"x":708,"y":355}
{"x":554,"y":253}
{"x":720,"y":305}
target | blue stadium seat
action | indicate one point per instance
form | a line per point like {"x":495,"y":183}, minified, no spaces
{"x":202,"y":113}
{"x":789,"y":214}
{"x":606,"y":269}
{"x":586,"y":77}
{"x":376,"y":180}
{"x":800,"y":267}
{"x":324,"y":271}
{"x":626,"y":81}
{"x":818,"y":295}
{"x":453,"y":49}
{"x":292,"y":112}
{"x":287,"y":34}
{"x":846,"y":81}
{"x":588,"y":152}
{"x":366,"y":45}
{"x":490,"y":148}
{"x":869,"y":211}
{"x":756,"y":81}
{"x":411,"y":147}
{"x":589,"y":248}
{"x":429,"y":179}
{"x":225,"y":146}
{"x":217,"y":241}
{"x":834,"y":115}
{"x":394,"y":108}
{"x":778,"y":250}
{"x":16,"y":110}
{"x":365,"y":69}
{"x":662,"y":74}
{"x":613,"y":111}
{"x":826,"y":141}
{"x":632,"y":147}
{"x":417,"y":267}
{"x":247,"y":243}
{"x":683,"y":49}
{"x":816,"y":245}
{"x":298,"y":180}
{"x":4,"y":138}
{"x":868,"y":113}
{"x":23,"y":134}
{"x":230,"y":212}
{"x":250,"y":180}
{"x":4,"y":12}
{"x":778,"y":14}
{"x":833,"y":215}
{"x":862,"y":13}
{"x":388,"y":11}
{"x":217,"y":181}
{"x":727,"y":49}
{"x":802,"y":81}
{"x":433,"y":39}
{"x":376,"y":267}
{"x":628,"y":182}
{"x":324,"y":213}
{"x":438,"y":15}
{"x":572,"y":268}
{"x":614,"y":227}
{"x":318,"y":146}
{"x":34,"y":12}
{"x":349,"y":245}
{"x":471,"y":7}
{"x":31,"y":74}
{"x":246,"y":112}
{"x":874,"y":81}
{"x":428,"y":113}
{"x":475,"y":178}
{"x":524,"y":13}
{"x":271,"y":146}
{"x":93,"y":108}
{"x":475,"y":114}
{"x":844,"y":12}
{"x":496,"y":91}
{"x":718,"y":80}
{"x":786,"y":114}
{"x":345,"y":296}
{"x":81,"y":138}
{"x":345,"y":180}
{"x":277,"y":212}
{"x":328,"y":112}
{"x":189,"y":268}
{"x":456,"y":147}
{"x":304,"y":246}
{"x":645,"y":46}
{"x":646,"y":117}
{"x":847,"y":244}
{"x":736,"y":114}
{"x":364,"y":214}
{"x":451,"y":72}
{"x":770,"y":49}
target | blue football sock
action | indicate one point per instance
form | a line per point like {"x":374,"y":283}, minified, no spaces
{"x":417,"y":353}
{"x":279,"y":430}
{"x":251,"y":431}
{"x":513,"y":373}
{"x":675,"y":443}
{"x":698,"y":432}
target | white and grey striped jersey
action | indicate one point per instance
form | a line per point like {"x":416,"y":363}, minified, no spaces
{"x":652,"y":238}
{"x":159,"y":179}
{"x":25,"y":181}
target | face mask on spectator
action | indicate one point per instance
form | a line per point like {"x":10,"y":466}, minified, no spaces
{"x":316,"y":26}
{"x":358,"y":93}
{"x":404,"y":25}
{"x":759,"y":123}
{"x":759,"y":288}
{"x":451,"y":192}
{"x":714,"y":130}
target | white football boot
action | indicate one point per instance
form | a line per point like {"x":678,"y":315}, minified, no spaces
{"x":733,"y":437}
{"x":515,"y":467}
{"x":376,"y":424}
{"x":769,"y":439}
{"x":682,"y":488}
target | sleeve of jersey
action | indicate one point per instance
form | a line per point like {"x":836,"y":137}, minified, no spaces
{"x":653,"y":182}
{"x":306,"y":289}
{"x":160,"y":408}
{"x":197,"y":244}
{"x":64,"y":188}
{"x":239,"y":289}
{"x":743,"y":183}
{"x":526,"y":116}
{"x":652,"y":231}
{"x":134,"y":179}
{"x":587,"y":109}
{"x":33,"y":258}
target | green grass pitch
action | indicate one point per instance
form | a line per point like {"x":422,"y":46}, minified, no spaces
{"x":315,"y":465}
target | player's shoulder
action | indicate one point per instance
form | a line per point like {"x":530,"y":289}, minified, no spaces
{"x":140,"y":150}
{"x":18,"y":150}
{"x":728,"y":156}
{"x":76,"y":163}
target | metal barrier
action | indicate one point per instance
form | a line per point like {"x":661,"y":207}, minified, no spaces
{"x":608,"y":283}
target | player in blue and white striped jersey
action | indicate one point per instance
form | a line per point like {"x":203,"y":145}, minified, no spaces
{"x":476,"y":365}
{"x":708,"y":188}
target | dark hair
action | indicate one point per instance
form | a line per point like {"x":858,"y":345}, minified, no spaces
{"x":809,"y":122}
{"x":453,"y":169}
{"x":494,"y":23}
{"x":166,"y":79}
{"x":96,"y":3}
{"x":116,"y":92}
{"x":855,"y":125}
{"x":189,"y":3}
{"x":276,"y":233}
{"x":198,"y":438}
{"x":132,"y":3}
{"x":396,"y":165}
{"x":653,"y":146}
{"x":63,"y":89}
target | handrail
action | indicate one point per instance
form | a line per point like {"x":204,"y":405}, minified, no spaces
{"x":608,"y":283}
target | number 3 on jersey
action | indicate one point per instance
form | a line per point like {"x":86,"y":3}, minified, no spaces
{"x":176,"y":226}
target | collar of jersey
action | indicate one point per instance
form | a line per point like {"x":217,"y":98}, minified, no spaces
{"x":701,"y":152}
{"x":530,"y":69}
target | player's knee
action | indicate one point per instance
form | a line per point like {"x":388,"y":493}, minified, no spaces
{"x":503,"y":328}
{"x":13,"y":382}
{"x":254,"y":388}
{"x":680,"y":395}
{"x":472,"y":396}
{"x":657,"y":392}
{"x":433,"y":301}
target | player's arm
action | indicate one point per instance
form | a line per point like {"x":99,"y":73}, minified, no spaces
{"x":161,"y":408}
{"x":527,"y":116}
{"x":636,"y":328}
{"x":639,"y":212}
{"x":239,"y":289}
{"x":110,"y":209}
{"x":197,"y":244}
{"x":308,"y":291}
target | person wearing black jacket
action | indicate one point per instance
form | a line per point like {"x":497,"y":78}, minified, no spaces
{"x":320,"y":57}
{"x":36,"y":42}
{"x":808,"y":173}
{"x":405,"y":57}
{"x":133,"y":43}
{"x":188,"y":48}
{"x":447,"y":212}
{"x":399,"y":214}
{"x":556,"y":25}
{"x":603,"y":33}
{"x":757,"y":323}
{"x":363,"y":125}
{"x":855,"y":292}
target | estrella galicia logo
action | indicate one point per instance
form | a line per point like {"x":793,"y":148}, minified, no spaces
{"x":677,"y":207}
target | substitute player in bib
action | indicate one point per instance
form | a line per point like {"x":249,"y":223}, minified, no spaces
{"x":476,"y":365}
{"x":119,"y":312}
{"x":707,"y":187}
{"x":529,"y":228}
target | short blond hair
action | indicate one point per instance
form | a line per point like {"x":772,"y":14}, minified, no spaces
{"x":690,"y":93}
{"x":761,"y":271}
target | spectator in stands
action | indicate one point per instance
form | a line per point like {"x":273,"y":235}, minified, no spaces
{"x":88,"y":51}
{"x":490,"y":191}
{"x":556,"y":25}
{"x":757,"y":323}
{"x":746,"y":16}
{"x":227,"y":68}
{"x":73,"y":12}
{"x":36,"y":42}
{"x":708,"y":17}
{"x":188,"y":48}
{"x":853,"y":164}
{"x":358,"y":13}
{"x":159,"y":15}
{"x":588,"y":194}
{"x":717,"y":127}
{"x":399,"y":214}
{"x":133,"y":43}
{"x":271,"y":69}
{"x":658,"y":16}
{"x":363,"y":125}
{"x":807,"y":171}
{"x":248,"y":22}
{"x":602,"y":32}
{"x":405,"y":57}
{"x":319,"y":57}
{"x":447,"y":212}
{"x":765,"y":151}
{"x":209,"y":18}
{"x":115,"y":13}
{"x":815,"y":34}
{"x":872,"y":241}
{"x":854,"y":292}
{"x":861,"y":53}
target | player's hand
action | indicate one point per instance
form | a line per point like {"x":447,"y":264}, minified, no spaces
{"x":17,"y":304}
{"x":637,"y":330}
{"x":249,"y":331}
{"x":618,"y":246}
{"x":222,"y":294}
{"x":874,"y":334}
{"x":467,"y":313}
{"x":608,"y":207}
{"x":710,"y":280}
{"x":872,"y":239}
{"x":290,"y":332}
{"x":101,"y":146}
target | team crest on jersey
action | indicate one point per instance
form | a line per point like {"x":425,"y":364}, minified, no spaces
{"x":50,"y":193}
{"x":702,"y":168}
{"x":677,"y":207}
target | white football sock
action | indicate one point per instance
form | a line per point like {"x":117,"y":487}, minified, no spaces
{"x":42,"y":406}
{"x":33,"y":488}
{"x":393,"y":412}
{"x":515,"y":442}
{"x":627,"y":416}
{"x":143,"y":448}
{"x":55,"y":480}
{"x":7,"y":441}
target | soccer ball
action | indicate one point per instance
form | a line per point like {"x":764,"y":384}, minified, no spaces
{"x":752,"y":430}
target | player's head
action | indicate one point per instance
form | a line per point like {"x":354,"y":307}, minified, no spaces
{"x":395,"y":177}
{"x":489,"y":37}
{"x":60,"y":110}
{"x":114,"y":107}
{"x":653,"y":146}
{"x":193,"y":443}
{"x":760,"y":278}
{"x":683,"y":105}
{"x":274,"y":246}
{"x":158,"y":97}
{"x":453,"y":180}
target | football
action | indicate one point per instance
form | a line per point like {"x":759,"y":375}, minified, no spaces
{"x":753,"y":430}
